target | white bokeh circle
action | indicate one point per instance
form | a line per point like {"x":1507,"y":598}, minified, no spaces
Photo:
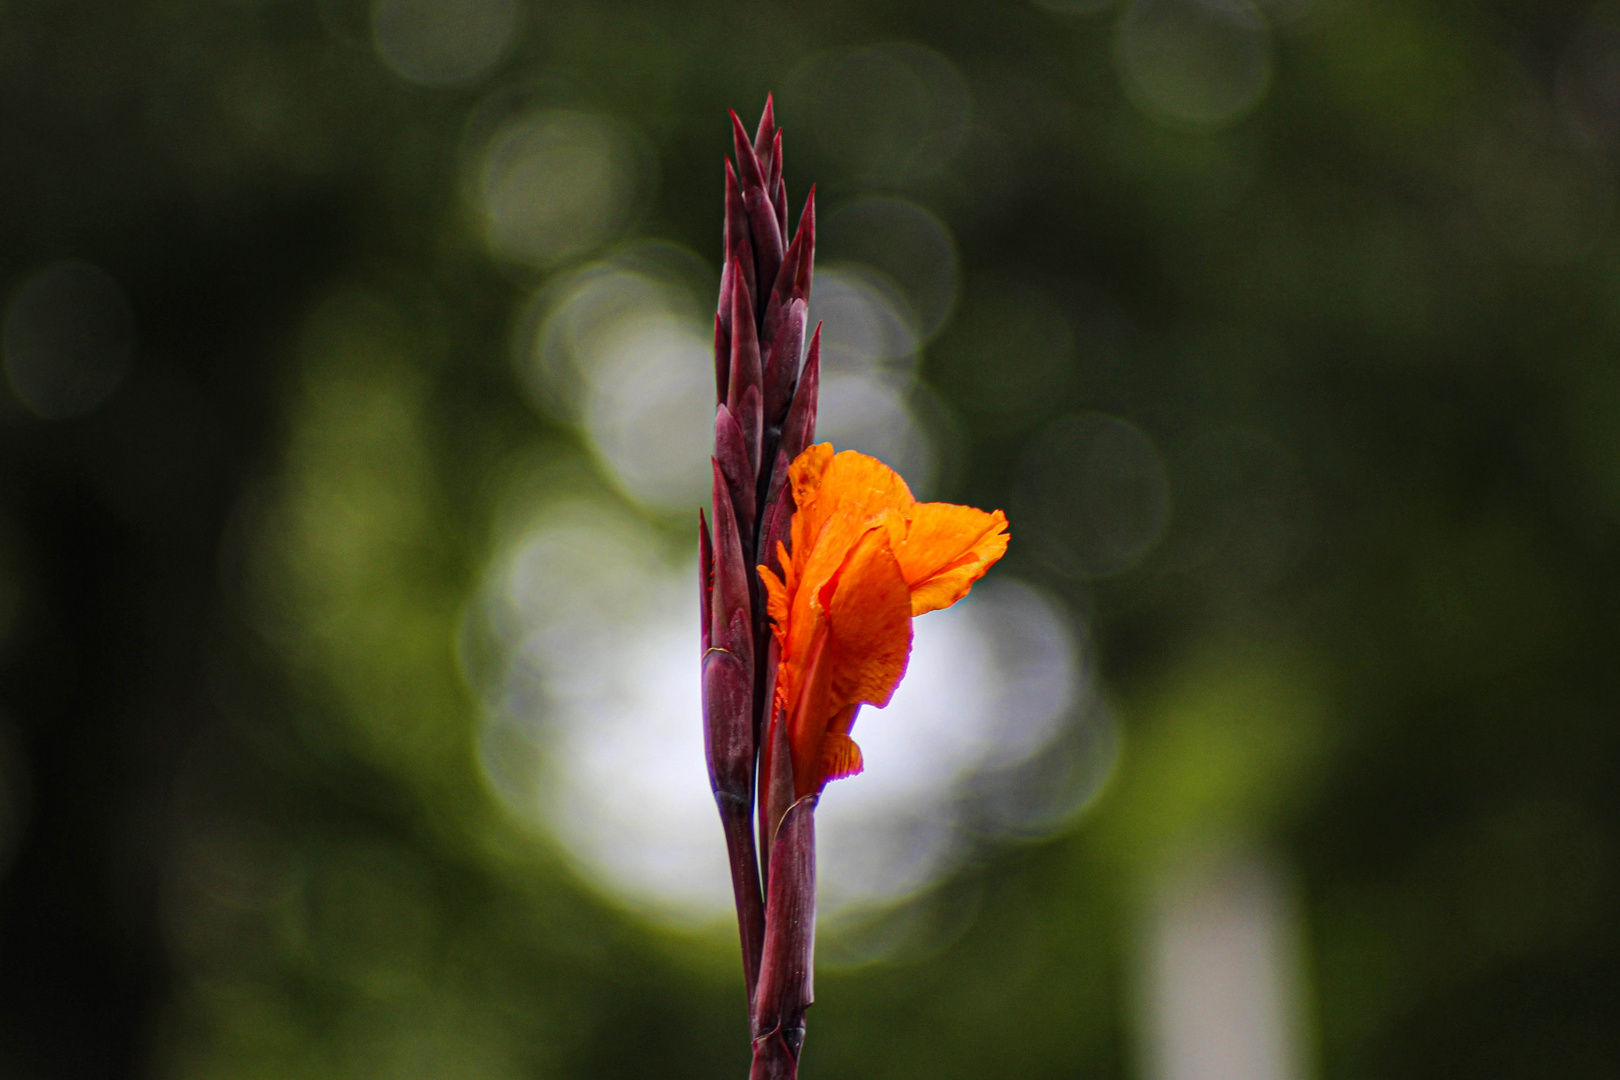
{"x":594,"y":733}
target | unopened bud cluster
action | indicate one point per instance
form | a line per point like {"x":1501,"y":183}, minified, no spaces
{"x":765,"y":416}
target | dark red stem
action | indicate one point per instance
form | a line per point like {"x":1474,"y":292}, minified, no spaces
{"x":786,"y":975}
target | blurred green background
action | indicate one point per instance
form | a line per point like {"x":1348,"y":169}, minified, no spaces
{"x":1285,"y":331}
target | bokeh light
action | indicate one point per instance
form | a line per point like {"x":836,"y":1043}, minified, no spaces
{"x":621,"y":348}
{"x":1011,"y":353}
{"x":443,"y":42}
{"x":554,"y":185}
{"x":874,"y":413}
{"x":890,"y":281}
{"x":1075,"y":7}
{"x":1093,"y":494}
{"x":1221,"y":994}
{"x":593,"y":729}
{"x":1243,"y":509}
{"x":869,"y":354}
{"x":624,"y":350}
{"x":888,"y":114}
{"x":904,"y":242}
{"x":990,"y":685}
{"x":1543,"y":201}
{"x":69,"y":338}
{"x":1196,"y":61}
{"x":867,"y":326}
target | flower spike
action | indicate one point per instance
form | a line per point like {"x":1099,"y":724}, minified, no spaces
{"x":811,"y":568}
{"x":758,"y":388}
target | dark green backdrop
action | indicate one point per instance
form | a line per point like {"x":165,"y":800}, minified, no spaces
{"x":1382,"y":243}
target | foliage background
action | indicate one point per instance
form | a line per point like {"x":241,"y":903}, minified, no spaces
{"x":243,"y":830}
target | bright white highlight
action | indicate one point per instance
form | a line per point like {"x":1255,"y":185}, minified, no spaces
{"x":869,"y":345}
{"x":620,"y":348}
{"x":624,"y":349}
{"x":556,"y":185}
{"x":1223,"y":985}
{"x":594,"y":731}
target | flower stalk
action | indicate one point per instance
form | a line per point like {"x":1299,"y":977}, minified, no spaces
{"x":815,"y":565}
{"x":765,"y":416}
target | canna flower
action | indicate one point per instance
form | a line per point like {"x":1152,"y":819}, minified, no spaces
{"x":849,"y":558}
{"x":866,"y":558}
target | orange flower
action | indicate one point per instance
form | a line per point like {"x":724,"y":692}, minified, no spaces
{"x":866,"y":558}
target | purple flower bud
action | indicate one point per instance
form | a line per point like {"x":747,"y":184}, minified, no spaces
{"x":731,"y":456}
{"x":768,"y":140}
{"x":705,"y":580}
{"x":799,"y":429}
{"x":748,"y":168}
{"x":731,"y":596}
{"x":745,"y":392}
{"x":782,"y":361}
{"x":739,"y":241}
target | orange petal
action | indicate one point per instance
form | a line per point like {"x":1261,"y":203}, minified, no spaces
{"x":869,"y":621}
{"x":847,"y":488}
{"x":864,"y":485}
{"x":804,"y":477}
{"x":866,"y":557}
{"x":840,"y":757}
{"x":776,"y":598}
{"x":946,"y":549}
{"x":804,"y":474}
{"x":803,"y":686}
